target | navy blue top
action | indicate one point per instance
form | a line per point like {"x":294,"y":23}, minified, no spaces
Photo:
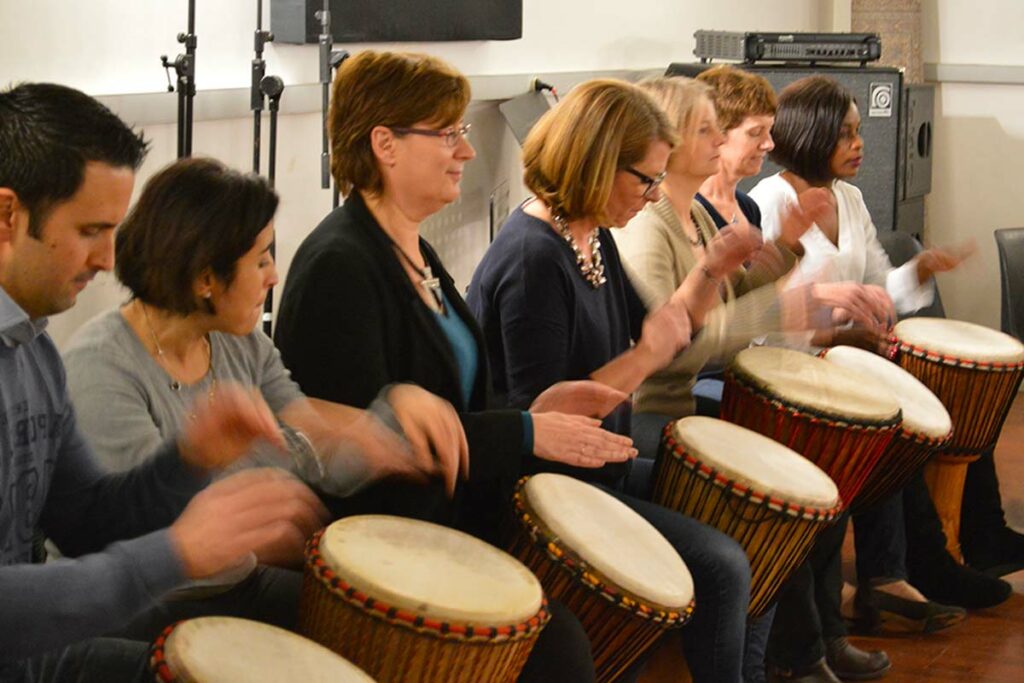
{"x":543,"y":323}
{"x":748,"y":206}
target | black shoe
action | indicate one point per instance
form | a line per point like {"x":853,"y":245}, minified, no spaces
{"x":960,"y":585}
{"x":894,"y":613}
{"x":815,"y":673}
{"x":995,"y":552}
{"x":853,"y":664}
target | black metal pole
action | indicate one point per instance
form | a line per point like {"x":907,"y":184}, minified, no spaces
{"x":189,"y":40}
{"x":273,"y":88}
{"x":258,"y":70}
{"x":184,"y":66}
{"x":326,"y":43}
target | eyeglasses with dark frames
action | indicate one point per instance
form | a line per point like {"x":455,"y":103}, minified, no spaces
{"x":652,"y":183}
{"x":451,"y":136}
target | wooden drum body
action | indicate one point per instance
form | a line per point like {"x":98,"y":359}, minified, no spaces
{"x":976,"y":373}
{"x":926,"y":424}
{"x":770,"y":499}
{"x":227,"y":650}
{"x":412,"y":601}
{"x":834,"y":417}
{"x":616,"y":573}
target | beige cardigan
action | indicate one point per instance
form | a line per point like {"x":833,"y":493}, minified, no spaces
{"x":657,"y":256}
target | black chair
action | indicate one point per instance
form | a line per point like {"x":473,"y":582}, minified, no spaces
{"x":1010,"y":242}
{"x":901,"y":247}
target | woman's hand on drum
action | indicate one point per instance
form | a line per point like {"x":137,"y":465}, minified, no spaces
{"x":854,"y":301}
{"x":798,"y":217}
{"x":577,"y":440}
{"x":262,"y":511}
{"x":874,"y":340}
{"x":225,"y":425}
{"x":434,"y":431}
{"x":580,"y":397}
{"x":942,"y":259}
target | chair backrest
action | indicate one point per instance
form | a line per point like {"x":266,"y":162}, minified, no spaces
{"x":1010,"y":242}
{"x":901,"y":247}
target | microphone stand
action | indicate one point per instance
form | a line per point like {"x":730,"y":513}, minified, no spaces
{"x":259,"y":68}
{"x":272,"y":87}
{"x":330,"y":60}
{"x":185,"y":68}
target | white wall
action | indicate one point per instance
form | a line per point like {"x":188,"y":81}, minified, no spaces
{"x":112,"y":47}
{"x":978,"y":145}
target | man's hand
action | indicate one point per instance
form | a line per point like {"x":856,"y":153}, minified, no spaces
{"x":262,"y":511}
{"x":225,"y":426}
{"x":581,"y":397}
{"x":434,"y":431}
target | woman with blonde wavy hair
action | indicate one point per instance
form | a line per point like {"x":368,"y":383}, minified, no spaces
{"x":555,"y":304}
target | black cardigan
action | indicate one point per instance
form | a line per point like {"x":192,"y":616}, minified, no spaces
{"x":350,"y":322}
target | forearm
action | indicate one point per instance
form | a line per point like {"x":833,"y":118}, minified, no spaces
{"x":44,"y":607}
{"x":699,"y":293}
{"x":626,"y":371}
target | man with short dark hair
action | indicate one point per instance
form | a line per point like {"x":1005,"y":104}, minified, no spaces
{"x":67,"y":168}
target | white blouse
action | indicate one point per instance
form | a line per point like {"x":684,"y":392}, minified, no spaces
{"x":859,"y":257}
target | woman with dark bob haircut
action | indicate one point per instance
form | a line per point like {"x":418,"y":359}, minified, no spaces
{"x":818,"y":144}
{"x":194,"y":254}
{"x":368,"y":302}
{"x":555,"y":303}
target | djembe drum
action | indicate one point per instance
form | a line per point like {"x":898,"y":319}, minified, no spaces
{"x":769,"y":498}
{"x":832,"y":416}
{"x":616,"y":573}
{"x":976,"y":373}
{"x":411,"y":601}
{"x":228,"y":650}
{"x":926,"y":425}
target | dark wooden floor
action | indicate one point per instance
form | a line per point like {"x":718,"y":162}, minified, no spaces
{"x":987,"y":648}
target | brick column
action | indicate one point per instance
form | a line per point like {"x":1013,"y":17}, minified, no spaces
{"x":898,"y":23}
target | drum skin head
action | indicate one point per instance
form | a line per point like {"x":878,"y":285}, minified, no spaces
{"x":959,"y":339}
{"x":756,"y":462}
{"x":431,"y":570}
{"x":612,"y":538}
{"x":923,"y":412}
{"x":225,"y":650}
{"x":807,"y":382}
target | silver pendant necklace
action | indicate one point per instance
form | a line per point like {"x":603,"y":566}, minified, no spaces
{"x":429,"y":283}
{"x":591,"y":269}
{"x":161,"y":359}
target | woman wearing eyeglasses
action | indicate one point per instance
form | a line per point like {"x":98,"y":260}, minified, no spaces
{"x":555,"y":304}
{"x":367,"y":303}
{"x":675,"y":240}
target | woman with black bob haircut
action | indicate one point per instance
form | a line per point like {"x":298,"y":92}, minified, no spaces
{"x":818,"y":144}
{"x":194,"y":253}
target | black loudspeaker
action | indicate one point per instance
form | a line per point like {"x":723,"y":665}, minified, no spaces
{"x":366,"y":21}
{"x":878,"y":91}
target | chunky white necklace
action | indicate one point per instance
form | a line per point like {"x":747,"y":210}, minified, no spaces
{"x":591,"y":269}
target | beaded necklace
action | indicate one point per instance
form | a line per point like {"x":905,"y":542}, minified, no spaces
{"x":591,"y":269}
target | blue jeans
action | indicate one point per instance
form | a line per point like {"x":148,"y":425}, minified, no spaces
{"x":713,"y":641}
